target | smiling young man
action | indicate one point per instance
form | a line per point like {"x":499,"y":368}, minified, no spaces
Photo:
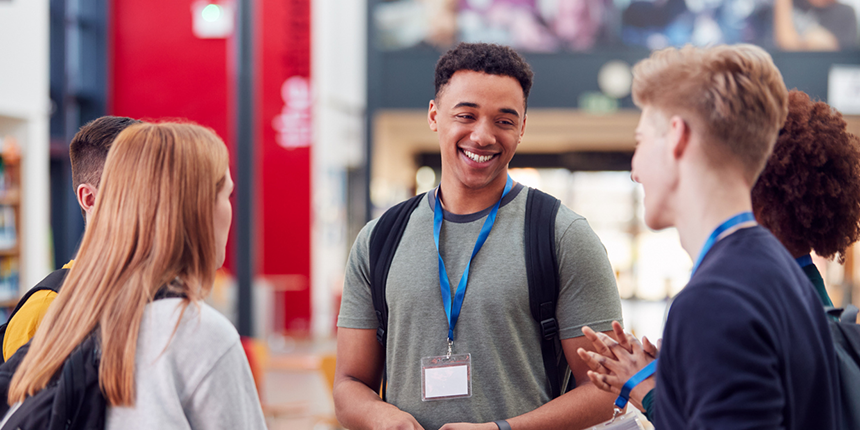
{"x":476,"y":218}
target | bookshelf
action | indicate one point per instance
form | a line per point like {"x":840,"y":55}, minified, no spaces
{"x":10,"y":214}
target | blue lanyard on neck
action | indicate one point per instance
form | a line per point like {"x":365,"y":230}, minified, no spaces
{"x":452,"y":310}
{"x":715,"y":235}
{"x":804,"y":261}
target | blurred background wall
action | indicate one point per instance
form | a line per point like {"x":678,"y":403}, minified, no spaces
{"x":340,"y":92}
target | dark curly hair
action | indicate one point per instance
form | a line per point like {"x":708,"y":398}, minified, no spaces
{"x":488,"y":58}
{"x":809,"y":192}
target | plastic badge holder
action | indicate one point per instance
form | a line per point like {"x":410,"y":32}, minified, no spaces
{"x":628,"y":421}
{"x":446,"y":377}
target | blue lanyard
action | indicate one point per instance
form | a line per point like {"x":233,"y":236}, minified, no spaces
{"x":715,"y":235}
{"x":649,"y":370}
{"x":634,"y":380}
{"x":804,"y":261}
{"x":452,"y":310}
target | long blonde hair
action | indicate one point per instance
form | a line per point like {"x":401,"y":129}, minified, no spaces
{"x":152,"y":224}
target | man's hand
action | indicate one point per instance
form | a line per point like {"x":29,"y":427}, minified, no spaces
{"x":615,"y":362}
{"x":468,"y":426}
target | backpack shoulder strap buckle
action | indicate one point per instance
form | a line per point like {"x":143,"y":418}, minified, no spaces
{"x":549,"y":328}
{"x":380,"y":330}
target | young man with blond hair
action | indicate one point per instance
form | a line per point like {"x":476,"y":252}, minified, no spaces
{"x":746,"y":344}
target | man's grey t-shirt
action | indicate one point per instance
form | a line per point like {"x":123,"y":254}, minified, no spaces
{"x":495,"y":325}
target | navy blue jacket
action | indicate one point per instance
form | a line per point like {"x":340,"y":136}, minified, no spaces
{"x":747,"y":344}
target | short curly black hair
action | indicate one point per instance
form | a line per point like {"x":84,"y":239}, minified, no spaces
{"x":809,"y":192}
{"x":488,"y":58}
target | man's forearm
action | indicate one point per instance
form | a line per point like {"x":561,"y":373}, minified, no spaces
{"x":357,"y":406}
{"x":784,"y":31}
{"x":584,"y":406}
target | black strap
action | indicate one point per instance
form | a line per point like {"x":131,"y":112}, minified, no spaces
{"x":542,"y":273}
{"x":383,"y":244}
{"x":52,"y":282}
{"x":166,"y":292}
{"x":849,"y":315}
{"x":74,"y":380}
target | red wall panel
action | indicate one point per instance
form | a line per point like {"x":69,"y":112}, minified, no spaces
{"x":159,"y":69}
{"x":286,"y":171}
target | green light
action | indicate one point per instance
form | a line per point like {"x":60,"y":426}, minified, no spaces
{"x":211,"y":12}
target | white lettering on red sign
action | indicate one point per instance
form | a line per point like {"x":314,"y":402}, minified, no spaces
{"x":293,"y":124}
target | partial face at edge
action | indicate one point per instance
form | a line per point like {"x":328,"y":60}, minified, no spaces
{"x":222,"y":218}
{"x":480,"y":119}
{"x":652,"y":167}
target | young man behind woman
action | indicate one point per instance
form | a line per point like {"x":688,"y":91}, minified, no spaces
{"x":160,"y":223}
{"x":87,"y":153}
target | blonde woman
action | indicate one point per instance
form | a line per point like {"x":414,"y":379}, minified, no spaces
{"x":160,"y":223}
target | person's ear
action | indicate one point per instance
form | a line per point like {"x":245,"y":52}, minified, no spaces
{"x":431,"y":115}
{"x":679,"y":136}
{"x":86,"y":194}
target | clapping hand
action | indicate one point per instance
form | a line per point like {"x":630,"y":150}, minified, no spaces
{"x":614,"y":362}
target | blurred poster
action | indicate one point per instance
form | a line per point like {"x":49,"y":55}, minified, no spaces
{"x":661,"y":23}
{"x":792,"y":25}
{"x":584,"y":25}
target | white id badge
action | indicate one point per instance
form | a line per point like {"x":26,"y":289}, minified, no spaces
{"x":629,"y":421}
{"x":444,"y":378}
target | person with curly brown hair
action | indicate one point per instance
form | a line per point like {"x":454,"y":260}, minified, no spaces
{"x":808,"y":195}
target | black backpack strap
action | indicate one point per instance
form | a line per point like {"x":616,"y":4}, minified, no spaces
{"x":542,"y":273}
{"x":52,"y":282}
{"x":383,"y":244}
{"x":165,"y":292}
{"x":73,"y":381}
{"x":849,"y":315}
{"x":78,"y":401}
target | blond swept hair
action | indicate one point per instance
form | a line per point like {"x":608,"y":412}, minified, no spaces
{"x":152,"y":226}
{"x":735,"y":93}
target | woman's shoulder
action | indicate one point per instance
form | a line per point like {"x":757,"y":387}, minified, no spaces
{"x":200,"y":324}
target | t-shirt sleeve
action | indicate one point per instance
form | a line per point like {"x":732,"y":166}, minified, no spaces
{"x":356,"y":306}
{"x":23,"y":325}
{"x":723,"y":366}
{"x":226,"y":398}
{"x":588,"y":295}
